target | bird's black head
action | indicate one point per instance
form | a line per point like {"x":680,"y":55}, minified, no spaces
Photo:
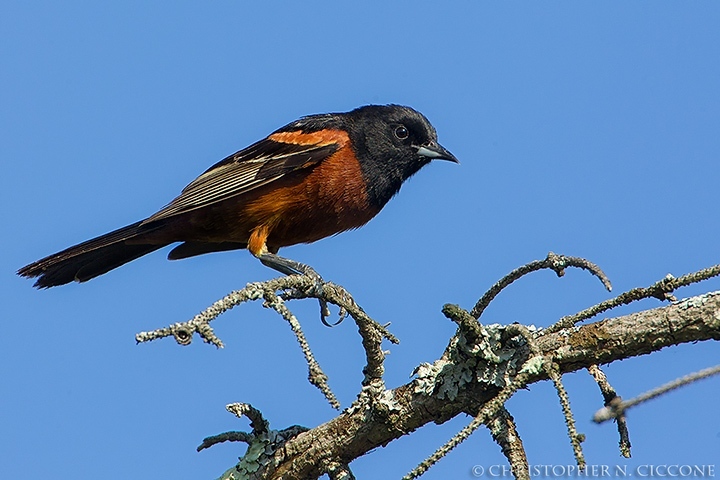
{"x":392,"y":143}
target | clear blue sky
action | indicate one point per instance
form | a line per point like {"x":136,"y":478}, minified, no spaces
{"x":588,"y":129}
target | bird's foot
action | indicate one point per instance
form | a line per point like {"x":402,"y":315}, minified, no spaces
{"x":291,"y":267}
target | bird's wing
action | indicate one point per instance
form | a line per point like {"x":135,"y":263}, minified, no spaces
{"x":253,"y":167}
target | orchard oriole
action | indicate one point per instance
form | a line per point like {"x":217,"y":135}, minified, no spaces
{"x":315,"y":177}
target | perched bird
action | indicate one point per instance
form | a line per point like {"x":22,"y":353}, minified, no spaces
{"x":315,"y":177}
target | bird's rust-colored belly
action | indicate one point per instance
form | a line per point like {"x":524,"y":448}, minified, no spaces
{"x":301,"y":207}
{"x":330,"y":199}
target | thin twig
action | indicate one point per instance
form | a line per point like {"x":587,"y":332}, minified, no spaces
{"x":504,"y":431}
{"x":661,"y":290}
{"x":609,"y":395}
{"x":316,"y":376}
{"x":290,"y":287}
{"x":225,"y":437}
{"x":371,"y":332}
{"x":557,"y":263}
{"x":489,"y":410}
{"x":576,"y":439}
{"x":618,"y":407}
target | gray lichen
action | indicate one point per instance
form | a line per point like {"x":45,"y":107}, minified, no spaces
{"x":491,"y":360}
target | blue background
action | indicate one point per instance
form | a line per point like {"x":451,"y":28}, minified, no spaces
{"x":589,"y":129}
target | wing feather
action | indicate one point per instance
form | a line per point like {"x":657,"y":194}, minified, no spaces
{"x":257,"y":165}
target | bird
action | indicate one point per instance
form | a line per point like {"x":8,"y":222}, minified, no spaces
{"x":315,"y":177}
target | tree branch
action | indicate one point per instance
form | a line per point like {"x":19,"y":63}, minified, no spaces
{"x":359,"y":430}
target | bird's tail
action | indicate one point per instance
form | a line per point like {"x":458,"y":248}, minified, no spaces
{"x":92,"y":258}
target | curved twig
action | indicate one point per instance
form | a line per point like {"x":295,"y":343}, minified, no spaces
{"x":225,"y":437}
{"x":557,"y":263}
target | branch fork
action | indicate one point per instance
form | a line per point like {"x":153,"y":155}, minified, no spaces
{"x":274,"y":294}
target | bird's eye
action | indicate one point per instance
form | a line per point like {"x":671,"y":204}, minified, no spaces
{"x":401,"y":132}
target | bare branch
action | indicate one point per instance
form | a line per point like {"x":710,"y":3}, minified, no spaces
{"x":609,"y":395}
{"x":291,"y":287}
{"x":557,"y":263}
{"x":617,"y":407}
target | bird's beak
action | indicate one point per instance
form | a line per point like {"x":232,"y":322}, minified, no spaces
{"x":435,"y":151}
